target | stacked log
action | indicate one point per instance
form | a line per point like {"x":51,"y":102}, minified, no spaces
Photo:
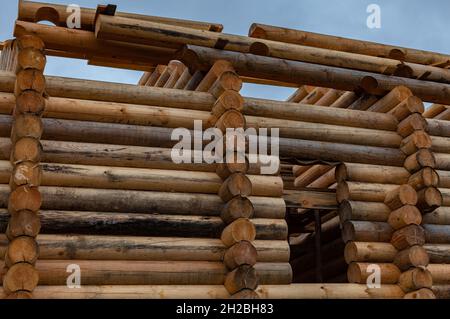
{"x":239,"y":234}
{"x":25,"y":199}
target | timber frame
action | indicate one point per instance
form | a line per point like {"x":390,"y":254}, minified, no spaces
{"x":87,"y":178}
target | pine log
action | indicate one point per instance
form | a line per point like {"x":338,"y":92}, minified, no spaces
{"x":428,"y":199}
{"x":236,"y":185}
{"x":371,"y":173}
{"x":364,"y":211}
{"x":26,"y":125}
{"x":440,"y":273}
{"x":439,"y":253}
{"x":415,"y":256}
{"x":414,"y":122}
{"x":29,"y":102}
{"x":22,"y":249}
{"x":29,"y":79}
{"x":422,"y":158}
{"x":242,"y":253}
{"x":409,"y":106}
{"x":372,"y":192}
{"x":391,"y":100}
{"x":416,"y":141}
{"x":401,"y":196}
{"x":243,"y":277}
{"x":437,"y":234}
{"x":23,"y":223}
{"x":275,"y":33}
{"x":369,"y":252}
{"x":240,"y":229}
{"x":31,"y":58}
{"x":238,"y":207}
{"x":415,"y":279}
{"x":21,"y":276}
{"x":427,"y":177}
{"x":95,"y":247}
{"x":358,"y":273}
{"x":408,"y":236}
{"x":366,"y":231}
{"x":440,"y":216}
{"x":309,"y":176}
{"x":441,"y":291}
{"x":423,"y":293}
{"x":25,"y":198}
{"x":404,"y":216}
{"x":26,"y":149}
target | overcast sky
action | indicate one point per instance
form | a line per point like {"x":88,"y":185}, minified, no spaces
{"x":411,"y":23}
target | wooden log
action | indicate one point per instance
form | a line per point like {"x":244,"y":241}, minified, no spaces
{"x":318,"y":114}
{"x":239,"y":230}
{"x":24,"y":198}
{"x":438,"y":253}
{"x":427,"y":177}
{"x":144,"y":32}
{"x":324,"y":181}
{"x":409,"y":106}
{"x":438,"y":127}
{"x":20,"y":277}
{"x":404,"y":216}
{"x":34,"y":12}
{"x":364,"y":211}
{"x":363,"y":102}
{"x":440,"y":273}
{"x":415,"y":279}
{"x":311,"y":175}
{"x":237,"y":207}
{"x":371,"y":173}
{"x":429,"y":199}
{"x":422,"y":158}
{"x":311,"y":199}
{"x":23,"y":223}
{"x":441,"y":291}
{"x":226,"y":81}
{"x":415,"y":256}
{"x":445,"y":192}
{"x":105,"y":200}
{"x":228,"y":100}
{"x":29,"y":79}
{"x":366,"y":231}
{"x":440,"y":216}
{"x":391,"y":100}
{"x":245,"y":294}
{"x":369,"y":252}
{"x":437,"y":234}
{"x":31,"y":58}
{"x":22,"y":249}
{"x":444,"y":178}
{"x":243,"y":277}
{"x":414,"y":122}
{"x":30,"y":102}
{"x":408,"y":236}
{"x":275,"y":33}
{"x":357,"y":191}
{"x":304,"y":73}
{"x":423,"y":293}
{"x":358,"y":273}
{"x":26,"y":149}
{"x":148,"y":224}
{"x":243,"y":253}
{"x":434,"y":110}
{"x":345,"y":100}
{"x":235,"y":185}
{"x":26,"y":173}
{"x":401,"y":196}
{"x":95,"y":247}
{"x":416,"y":141}
{"x":26,"y":125}
{"x":231,"y":119}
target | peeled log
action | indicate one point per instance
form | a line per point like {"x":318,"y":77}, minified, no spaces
{"x":422,"y":158}
{"x":242,"y":253}
{"x":95,"y":247}
{"x":358,"y":272}
{"x":366,"y":231}
{"x":439,"y":253}
{"x":243,"y":277}
{"x":22,"y":249}
{"x":23,"y":223}
{"x":357,"y":191}
{"x":408,"y":236}
{"x":371,"y":174}
{"x":25,"y":198}
{"x":415,"y":256}
{"x":405,"y":215}
{"x":437,"y":234}
{"x":440,"y":216}
{"x":369,"y":252}
{"x":423,"y":293}
{"x":238,"y":207}
{"x":21,"y":276}
{"x":240,"y":229}
{"x":401,"y":196}
{"x":364,"y":211}
{"x":440,"y":273}
{"x":236,"y":185}
{"x":415,"y":279}
{"x":429,"y":199}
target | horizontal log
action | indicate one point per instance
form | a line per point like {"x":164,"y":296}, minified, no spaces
{"x":96,"y":247}
{"x":441,"y":291}
{"x":365,"y":231}
{"x":65,"y":175}
{"x":109,"y":200}
{"x":437,"y":234}
{"x":363,"y":211}
{"x":33,"y":12}
{"x":293,"y":291}
{"x":73,"y":222}
{"x":358,"y":191}
{"x":117,"y":272}
{"x":440,"y":216}
{"x":440,"y":273}
{"x":312,"y":74}
{"x":359,"y":272}
{"x":371,"y":174}
{"x":262,"y":31}
{"x":310,"y":199}
{"x":145,"y":32}
{"x":369,"y":252}
{"x":439,"y":253}
{"x":445,"y":196}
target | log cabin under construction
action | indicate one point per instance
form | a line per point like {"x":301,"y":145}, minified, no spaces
{"x":87,"y":178}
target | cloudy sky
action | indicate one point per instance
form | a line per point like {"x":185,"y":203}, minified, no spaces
{"x":411,"y":23}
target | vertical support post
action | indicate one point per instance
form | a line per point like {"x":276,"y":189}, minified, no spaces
{"x":318,"y":244}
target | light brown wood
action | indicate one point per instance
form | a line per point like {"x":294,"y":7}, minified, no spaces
{"x":237,"y":207}
{"x":440,"y":273}
{"x":228,"y":80}
{"x":422,"y":158}
{"x":357,"y":273}
{"x":26,"y":149}
{"x":414,"y":122}
{"x":371,"y":173}
{"x":23,"y":223}
{"x":243,"y":277}
{"x":415,"y":256}
{"x":30,"y":58}
{"x":366,"y":231}
{"x":26,"y":173}
{"x":427,"y":177}
{"x":408,"y":236}
{"x":403,"y":195}
{"x":242,"y":253}
{"x":235,"y":185}
{"x":21,"y":276}
{"x":365,"y":211}
{"x":26,"y":126}
{"x":415,"y":279}
{"x":25,"y":198}
{"x":409,"y":106}
{"x":30,"y":79}
{"x":414,"y":142}
{"x":230,"y":119}
{"x":403,"y":216}
{"x":391,"y":100}
{"x":369,"y":252}
{"x":423,"y":293}
{"x":429,"y":199}
{"x":30,"y":102}
{"x":238,"y":230}
{"x":245,"y":294}
{"x":22,"y":249}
